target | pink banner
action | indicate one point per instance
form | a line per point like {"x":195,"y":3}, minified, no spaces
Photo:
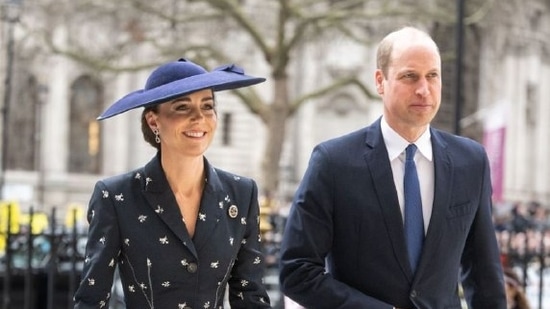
{"x":493,"y":140}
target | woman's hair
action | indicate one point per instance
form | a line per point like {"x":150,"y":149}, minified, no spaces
{"x":512,"y":279}
{"x":148,"y":134}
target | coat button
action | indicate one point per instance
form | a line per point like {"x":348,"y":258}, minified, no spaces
{"x":414,"y":294}
{"x":192,"y":268}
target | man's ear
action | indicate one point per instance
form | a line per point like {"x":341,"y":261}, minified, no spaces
{"x":379,"y":79}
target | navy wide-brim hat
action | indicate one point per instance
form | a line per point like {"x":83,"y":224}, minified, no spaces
{"x":178,"y":78}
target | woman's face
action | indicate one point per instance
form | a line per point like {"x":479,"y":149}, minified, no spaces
{"x":186,"y":124}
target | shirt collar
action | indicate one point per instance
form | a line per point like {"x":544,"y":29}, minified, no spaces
{"x":395,"y":144}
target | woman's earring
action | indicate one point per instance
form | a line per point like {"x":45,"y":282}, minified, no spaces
{"x":157,"y":137}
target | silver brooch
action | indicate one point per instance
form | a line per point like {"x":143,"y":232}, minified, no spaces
{"x":233,"y":211}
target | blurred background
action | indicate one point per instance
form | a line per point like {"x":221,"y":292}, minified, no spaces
{"x":63,"y":62}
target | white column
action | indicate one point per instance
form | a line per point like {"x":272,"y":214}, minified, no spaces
{"x":514,"y":129}
{"x":55,"y":124}
{"x":124,"y":148}
{"x":542,"y":165}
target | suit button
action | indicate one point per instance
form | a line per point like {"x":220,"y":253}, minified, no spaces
{"x":414,"y":294}
{"x":192,"y":268}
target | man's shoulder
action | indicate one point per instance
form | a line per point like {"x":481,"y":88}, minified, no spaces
{"x":455,"y":143}
{"x":353,"y":137}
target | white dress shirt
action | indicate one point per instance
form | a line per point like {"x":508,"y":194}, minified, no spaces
{"x":424,"y":165}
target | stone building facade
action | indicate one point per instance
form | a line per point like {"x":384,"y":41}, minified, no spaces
{"x":55,"y":153}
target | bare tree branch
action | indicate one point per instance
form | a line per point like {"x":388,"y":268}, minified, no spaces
{"x":332,"y":88}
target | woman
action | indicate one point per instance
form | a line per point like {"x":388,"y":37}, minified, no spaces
{"x":178,"y":229}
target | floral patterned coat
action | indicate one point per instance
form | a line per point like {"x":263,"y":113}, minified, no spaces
{"x":135,"y":223}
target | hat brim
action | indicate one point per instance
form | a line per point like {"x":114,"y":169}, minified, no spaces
{"x":223,"y":78}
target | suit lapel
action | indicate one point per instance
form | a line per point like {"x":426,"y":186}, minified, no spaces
{"x":382,"y":177}
{"x":443,"y":171}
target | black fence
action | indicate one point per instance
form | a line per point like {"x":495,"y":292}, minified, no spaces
{"x":42,"y":270}
{"x":527,"y":252}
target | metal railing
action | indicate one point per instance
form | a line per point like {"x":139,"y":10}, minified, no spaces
{"x":528,"y":252}
{"x":40,"y":270}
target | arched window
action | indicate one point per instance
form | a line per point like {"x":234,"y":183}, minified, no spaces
{"x":84,"y":131}
{"x":22,"y":124}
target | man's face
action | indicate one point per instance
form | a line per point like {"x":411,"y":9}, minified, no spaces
{"x":411,"y":91}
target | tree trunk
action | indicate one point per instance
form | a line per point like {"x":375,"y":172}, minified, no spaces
{"x":276,"y":128}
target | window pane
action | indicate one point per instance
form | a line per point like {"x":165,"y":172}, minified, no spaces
{"x":85,"y":132}
{"x":22,"y":120}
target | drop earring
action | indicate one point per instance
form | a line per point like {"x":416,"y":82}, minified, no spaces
{"x":157,"y":137}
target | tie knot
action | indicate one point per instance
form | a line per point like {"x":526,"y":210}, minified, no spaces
{"x":410,"y":151}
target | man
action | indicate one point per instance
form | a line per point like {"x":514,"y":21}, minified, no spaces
{"x":346,"y":242}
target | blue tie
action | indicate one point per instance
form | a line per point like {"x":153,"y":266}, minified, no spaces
{"x":414,"y":221}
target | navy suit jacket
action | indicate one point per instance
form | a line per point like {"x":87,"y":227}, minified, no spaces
{"x":135,"y":223}
{"x":344,"y":245}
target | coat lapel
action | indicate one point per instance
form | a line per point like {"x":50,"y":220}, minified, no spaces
{"x":213,"y":205}
{"x":160,"y":197}
{"x":382,"y":177}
